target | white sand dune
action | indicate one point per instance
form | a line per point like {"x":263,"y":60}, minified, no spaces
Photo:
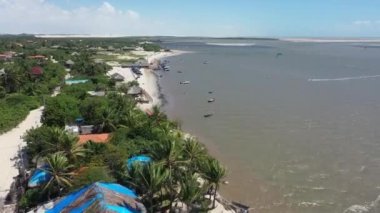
{"x":10,"y":143}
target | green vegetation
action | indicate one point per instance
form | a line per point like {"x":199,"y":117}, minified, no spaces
{"x":14,"y":108}
{"x":178,"y":163}
{"x":151,"y":47}
{"x":18,"y":77}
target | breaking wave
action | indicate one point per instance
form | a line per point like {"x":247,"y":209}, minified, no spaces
{"x":343,"y":79}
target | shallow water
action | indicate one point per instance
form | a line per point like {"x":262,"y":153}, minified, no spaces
{"x":298,"y":131}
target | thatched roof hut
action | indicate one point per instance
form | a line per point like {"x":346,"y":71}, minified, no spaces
{"x":117,"y":77}
{"x":69,"y":62}
{"x":134,"y":91}
{"x":98,"y":197}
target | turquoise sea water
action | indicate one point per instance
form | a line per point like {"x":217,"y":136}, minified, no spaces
{"x":297,"y":124}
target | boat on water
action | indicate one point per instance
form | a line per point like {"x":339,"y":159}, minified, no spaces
{"x":205,"y":62}
{"x":211,"y":100}
{"x":208,"y":115}
{"x":184,"y":82}
{"x":179,"y":71}
{"x":210,"y":92}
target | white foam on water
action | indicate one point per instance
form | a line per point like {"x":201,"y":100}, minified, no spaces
{"x":343,"y":79}
{"x":232,"y":44}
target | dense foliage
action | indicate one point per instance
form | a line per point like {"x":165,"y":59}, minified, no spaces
{"x":14,"y":108}
{"x":178,"y":162}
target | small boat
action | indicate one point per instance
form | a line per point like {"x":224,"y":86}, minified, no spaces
{"x":278,"y":55}
{"x":208,"y":115}
{"x":211,"y":100}
{"x":210,"y":92}
{"x":205,"y":62}
{"x":184,"y":82}
{"x":179,"y":71}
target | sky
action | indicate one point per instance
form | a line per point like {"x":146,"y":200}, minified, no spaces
{"x":215,"y":18}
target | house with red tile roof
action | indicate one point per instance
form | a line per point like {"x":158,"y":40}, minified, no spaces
{"x":37,"y":71}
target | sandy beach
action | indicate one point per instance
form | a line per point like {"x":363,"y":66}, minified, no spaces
{"x":10,"y":143}
{"x":149,"y":79}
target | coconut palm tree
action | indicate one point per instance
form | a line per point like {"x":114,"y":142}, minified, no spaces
{"x":194,"y":152}
{"x":68,"y":144}
{"x":191,"y":190}
{"x":108,"y":120}
{"x":61,"y":141}
{"x":150,"y":180}
{"x":213,"y":172}
{"x":169,"y":154}
{"x":59,"y":168}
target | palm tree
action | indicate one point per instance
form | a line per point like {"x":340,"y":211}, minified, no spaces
{"x":191,"y":190}
{"x":213,"y":172}
{"x":12,"y":80}
{"x":62,"y":141}
{"x":194,"y":152}
{"x":108,"y":119}
{"x":169,"y":154}
{"x":150,"y":180}
{"x":157,"y":115}
{"x":58,"y":167}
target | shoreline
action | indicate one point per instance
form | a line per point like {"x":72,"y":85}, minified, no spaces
{"x":149,"y":80}
{"x":222,"y":205}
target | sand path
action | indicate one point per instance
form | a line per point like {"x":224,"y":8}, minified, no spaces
{"x":10,"y":143}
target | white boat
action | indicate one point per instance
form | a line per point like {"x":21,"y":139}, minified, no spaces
{"x":184,"y":82}
{"x":211,"y":100}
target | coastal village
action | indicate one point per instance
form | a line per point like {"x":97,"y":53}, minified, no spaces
{"x":82,"y":131}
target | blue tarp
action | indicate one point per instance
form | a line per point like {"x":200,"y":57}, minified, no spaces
{"x":143,"y":159}
{"x":39,"y":177}
{"x":67,"y":201}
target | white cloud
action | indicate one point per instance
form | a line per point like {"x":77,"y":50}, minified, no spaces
{"x":367,"y":23}
{"x":107,"y":8}
{"x":133,"y":14}
{"x":44,"y":17}
{"x":40,"y":16}
{"x":362,"y":22}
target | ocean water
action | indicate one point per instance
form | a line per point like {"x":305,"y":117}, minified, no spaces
{"x":297,"y":124}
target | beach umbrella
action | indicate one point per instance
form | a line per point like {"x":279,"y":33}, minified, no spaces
{"x":40,"y":176}
{"x":143,"y":159}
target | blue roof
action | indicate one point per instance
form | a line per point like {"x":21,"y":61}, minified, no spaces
{"x":71,"y":81}
{"x":85,"y":201}
{"x":143,"y":159}
{"x":39,"y":177}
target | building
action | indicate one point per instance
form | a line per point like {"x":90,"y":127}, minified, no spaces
{"x":86,"y":129}
{"x":134,"y":91}
{"x":96,"y":138}
{"x":142,"y":63}
{"x":99,"y":197}
{"x":69,"y":63}
{"x":2,"y":72}
{"x":72,"y":81}
{"x":117,"y":77}
{"x":6,"y":56}
{"x":97,"y":93}
{"x":37,"y":57}
{"x":37,"y":71}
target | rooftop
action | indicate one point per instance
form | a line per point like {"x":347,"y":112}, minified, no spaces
{"x":96,"y":138}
